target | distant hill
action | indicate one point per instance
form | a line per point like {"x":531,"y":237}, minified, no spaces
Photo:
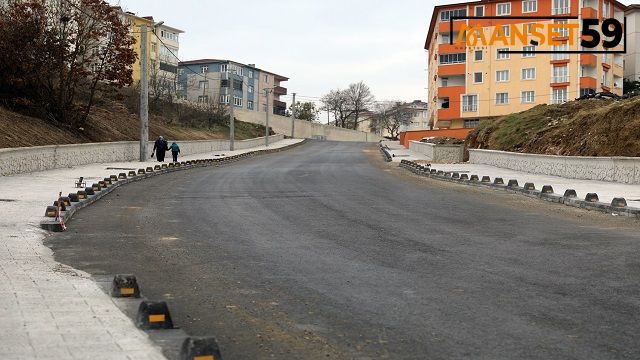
{"x":576,"y":128}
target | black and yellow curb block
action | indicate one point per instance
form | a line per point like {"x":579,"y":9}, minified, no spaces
{"x":591,"y":201}
{"x":200,"y":348}
{"x":385,"y":153}
{"x":153,"y":315}
{"x":125,"y":286}
{"x":89,"y":195}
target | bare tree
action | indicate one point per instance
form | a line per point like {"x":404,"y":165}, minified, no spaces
{"x":359,"y":99}
{"x":391,"y":116}
{"x":336,"y":103}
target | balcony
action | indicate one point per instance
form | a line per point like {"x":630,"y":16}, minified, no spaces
{"x":453,"y":93}
{"x":444,"y":26}
{"x":451,"y":49}
{"x":589,"y":13}
{"x":588,"y":60}
{"x":588,"y":82}
{"x":279,"y":107}
{"x":279,"y":90}
{"x":471,"y":107}
{"x":453,"y":69}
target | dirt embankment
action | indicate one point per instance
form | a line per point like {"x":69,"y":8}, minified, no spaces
{"x":111,"y":121}
{"x":576,"y":128}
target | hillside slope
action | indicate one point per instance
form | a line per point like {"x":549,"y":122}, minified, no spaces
{"x":577,"y":128}
{"x":111,"y":121}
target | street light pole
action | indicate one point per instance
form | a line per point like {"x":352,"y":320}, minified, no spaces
{"x":266,"y":123}
{"x":144,"y":94}
{"x":293,"y":117}
{"x":232,"y":122}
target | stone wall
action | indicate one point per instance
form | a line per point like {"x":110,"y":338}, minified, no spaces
{"x":615,"y":169}
{"x":305,"y":129}
{"x":441,"y":154}
{"x":39,"y":158}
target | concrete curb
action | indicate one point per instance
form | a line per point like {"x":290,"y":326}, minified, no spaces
{"x":618,"y":205}
{"x":385,"y":153}
{"x":56,"y":225}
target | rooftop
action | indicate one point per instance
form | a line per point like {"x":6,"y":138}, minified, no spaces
{"x":218,"y":61}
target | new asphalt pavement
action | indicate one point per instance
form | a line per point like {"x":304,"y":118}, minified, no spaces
{"x":324,"y":252}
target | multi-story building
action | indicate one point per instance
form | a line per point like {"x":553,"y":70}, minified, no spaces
{"x":419,"y":115}
{"x":162,"y":44}
{"x":632,"y":56}
{"x":223,"y":81}
{"x":470,"y":83}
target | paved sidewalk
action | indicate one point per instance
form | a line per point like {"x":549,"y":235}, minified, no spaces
{"x":606,"y":190}
{"x":49,"y":310}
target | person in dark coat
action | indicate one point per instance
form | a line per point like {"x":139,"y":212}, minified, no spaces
{"x":175,"y":150}
{"x":160,"y":148}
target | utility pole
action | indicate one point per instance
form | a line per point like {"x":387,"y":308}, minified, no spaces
{"x":144,"y":94}
{"x":232,"y":122}
{"x":293,"y":117}
{"x":266,"y":123}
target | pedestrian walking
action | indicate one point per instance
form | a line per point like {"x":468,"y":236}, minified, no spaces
{"x":175,"y":150}
{"x":160,"y":147}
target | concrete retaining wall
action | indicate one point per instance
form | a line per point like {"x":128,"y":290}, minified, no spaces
{"x":443,"y":154}
{"x":304,"y":129}
{"x":615,"y":169}
{"x":39,"y":158}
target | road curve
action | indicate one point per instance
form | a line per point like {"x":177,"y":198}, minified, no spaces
{"x":320,"y":252}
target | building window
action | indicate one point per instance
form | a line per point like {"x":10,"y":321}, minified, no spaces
{"x":529,"y":54}
{"x":529,"y":74}
{"x":453,"y":58}
{"x":502,"y":55}
{"x":469,"y":103}
{"x":504,"y":9}
{"x":237,"y":85}
{"x":250,"y":89}
{"x":266,"y":79}
{"x":562,"y":31}
{"x":445,"y":103}
{"x":559,"y":96}
{"x":587,"y":91}
{"x":560,"y":7}
{"x":506,"y":30}
{"x":250,"y":74}
{"x":528,"y":97}
{"x":606,"y":9}
{"x":446,"y":15}
{"x":237,"y":101}
{"x":204,"y":69}
{"x":477,"y":78}
{"x":224,"y":99}
{"x":224,"y":68}
{"x":560,"y":52}
{"x":471,"y":123}
{"x":478,"y":54}
{"x":502,"y":98}
{"x":250,"y":104}
{"x":479,"y":10}
{"x":180,"y":71}
{"x":529,"y":6}
{"x":203,"y":84}
{"x":502,"y":75}
{"x":224,"y":83}
{"x":560,"y":74}
{"x":605,"y":78}
{"x":203,"y":99}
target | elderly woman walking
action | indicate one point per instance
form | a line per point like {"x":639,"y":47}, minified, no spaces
{"x":160,"y":147}
{"x":175,"y":150}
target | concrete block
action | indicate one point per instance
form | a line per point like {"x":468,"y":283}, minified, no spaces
{"x":570,"y":193}
{"x":89,"y":191}
{"x":498,"y":181}
{"x":51,"y":211}
{"x":132,"y":173}
{"x":201,"y":348}
{"x":63,"y":207}
{"x":125,"y":285}
{"x":153,"y":315}
{"x":157,"y":167}
{"x":474,"y":178}
{"x":122,"y":176}
{"x":82,"y":194}
{"x":619,"y":202}
{"x":141,"y":172}
{"x":455,"y":175}
{"x":513,"y":183}
{"x":591,"y":197}
{"x":486,"y":179}
{"x":464,"y":177}
{"x":73,"y":197}
{"x":529,"y":186}
{"x":149,"y":169}
{"x":547,"y":189}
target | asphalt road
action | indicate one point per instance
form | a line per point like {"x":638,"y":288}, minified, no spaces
{"x":325,"y":252}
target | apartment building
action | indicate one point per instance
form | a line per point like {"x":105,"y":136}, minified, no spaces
{"x":632,"y":56}
{"x":469,"y":83}
{"x":162,"y":42}
{"x":419,"y":116}
{"x":224,"y":81}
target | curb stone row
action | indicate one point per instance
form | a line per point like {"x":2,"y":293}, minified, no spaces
{"x":63,"y":209}
{"x":385,"y":153}
{"x":617,"y":206}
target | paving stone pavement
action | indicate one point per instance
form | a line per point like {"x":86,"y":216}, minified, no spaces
{"x":49,"y":310}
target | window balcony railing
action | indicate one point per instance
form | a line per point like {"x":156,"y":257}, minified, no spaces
{"x":560,"y":10}
{"x":470,"y":107}
{"x":559,"y":56}
{"x":559,"y":79}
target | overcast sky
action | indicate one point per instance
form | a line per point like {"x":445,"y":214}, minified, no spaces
{"x":319,"y":44}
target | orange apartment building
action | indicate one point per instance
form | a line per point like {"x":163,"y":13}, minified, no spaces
{"x":469,"y":83}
